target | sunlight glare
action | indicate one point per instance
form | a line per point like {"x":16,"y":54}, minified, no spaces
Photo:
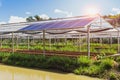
{"x":92,"y":11}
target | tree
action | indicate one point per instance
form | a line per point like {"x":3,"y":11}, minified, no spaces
{"x":30,"y":19}
{"x":38,"y":18}
{"x":50,"y":18}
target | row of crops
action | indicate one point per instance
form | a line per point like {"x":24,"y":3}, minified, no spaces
{"x":75,"y":45}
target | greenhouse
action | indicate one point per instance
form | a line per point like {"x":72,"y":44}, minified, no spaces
{"x":85,"y":35}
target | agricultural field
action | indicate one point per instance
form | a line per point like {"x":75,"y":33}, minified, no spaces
{"x":79,"y":46}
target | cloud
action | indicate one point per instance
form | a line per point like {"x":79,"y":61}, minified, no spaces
{"x":44,"y":16}
{"x":116,"y":10}
{"x":58,"y":11}
{"x":2,"y":22}
{"x":16,"y":19}
{"x":68,"y":14}
{"x":28,"y":13}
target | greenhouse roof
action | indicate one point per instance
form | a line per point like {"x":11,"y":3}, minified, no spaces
{"x":65,"y":25}
{"x":71,"y":23}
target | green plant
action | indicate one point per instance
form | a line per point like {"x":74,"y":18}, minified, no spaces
{"x":106,"y":64}
{"x":112,"y":76}
{"x":117,"y":59}
{"x":81,"y":71}
{"x":119,"y":66}
{"x":84,"y":61}
{"x":62,"y":63}
{"x":40,"y":61}
{"x":94,"y":70}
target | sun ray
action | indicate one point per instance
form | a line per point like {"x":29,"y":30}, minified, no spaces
{"x":92,"y":10}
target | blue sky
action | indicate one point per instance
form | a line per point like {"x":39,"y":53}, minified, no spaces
{"x":12,"y":9}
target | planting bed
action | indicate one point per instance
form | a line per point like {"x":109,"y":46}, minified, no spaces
{"x":50,"y":53}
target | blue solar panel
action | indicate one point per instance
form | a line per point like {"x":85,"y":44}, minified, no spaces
{"x":30,"y":27}
{"x":63,"y":24}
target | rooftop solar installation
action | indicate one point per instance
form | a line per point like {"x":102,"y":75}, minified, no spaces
{"x":63,"y":25}
{"x":59,"y":24}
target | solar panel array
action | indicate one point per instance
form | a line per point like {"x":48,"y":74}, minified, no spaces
{"x":59,"y":24}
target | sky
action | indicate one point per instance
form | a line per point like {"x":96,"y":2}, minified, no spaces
{"x":12,"y":11}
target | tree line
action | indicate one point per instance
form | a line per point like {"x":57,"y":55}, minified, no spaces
{"x":36,"y":18}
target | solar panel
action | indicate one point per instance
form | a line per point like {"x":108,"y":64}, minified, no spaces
{"x":63,"y":24}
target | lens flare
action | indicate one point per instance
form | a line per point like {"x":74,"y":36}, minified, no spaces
{"x":92,"y":11}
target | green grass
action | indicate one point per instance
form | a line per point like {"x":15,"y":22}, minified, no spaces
{"x":81,"y":65}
